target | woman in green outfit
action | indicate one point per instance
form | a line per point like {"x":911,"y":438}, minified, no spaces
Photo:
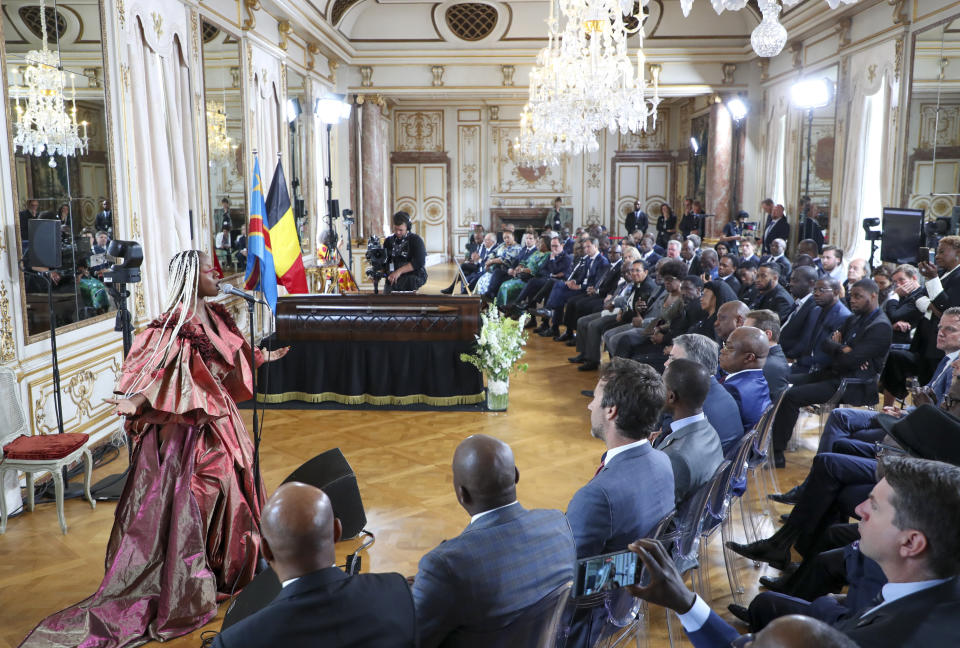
{"x":510,"y":289}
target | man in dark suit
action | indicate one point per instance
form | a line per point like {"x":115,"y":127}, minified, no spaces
{"x":777,"y":227}
{"x":742,"y":357}
{"x":810,"y":228}
{"x":104,"y":220}
{"x":505,"y":561}
{"x":591,"y":300}
{"x":593,"y":269}
{"x":692,"y":444}
{"x":637,"y":219}
{"x":856,"y":270}
{"x":688,"y":254}
{"x":776,"y":371}
{"x":320,"y":604}
{"x":857,"y":350}
{"x":901,"y":309}
{"x":727,"y":272}
{"x":747,"y":275}
{"x":648,"y":254}
{"x":770,"y":294}
{"x":777,"y":249}
{"x":719,"y":407}
{"x":748,"y":254}
{"x":795,"y":330}
{"x":828,"y":317}
{"x":906,"y":526}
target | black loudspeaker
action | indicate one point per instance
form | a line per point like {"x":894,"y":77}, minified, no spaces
{"x":44,"y":237}
{"x":331,"y":473}
{"x":254,"y":597}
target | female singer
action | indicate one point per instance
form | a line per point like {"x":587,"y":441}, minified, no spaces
{"x":186,"y":529}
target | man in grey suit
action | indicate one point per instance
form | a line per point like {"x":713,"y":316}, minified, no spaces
{"x":693,"y":446}
{"x":633,"y":487}
{"x":506,"y":560}
{"x":775,"y":369}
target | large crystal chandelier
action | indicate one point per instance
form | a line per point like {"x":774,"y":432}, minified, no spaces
{"x":43,"y":125}
{"x":769,"y":37}
{"x":219,"y":145}
{"x":584,"y":81}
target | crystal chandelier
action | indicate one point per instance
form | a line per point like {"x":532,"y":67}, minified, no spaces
{"x":769,"y":37}
{"x":584,"y":81}
{"x":219,"y":145}
{"x":43,"y":125}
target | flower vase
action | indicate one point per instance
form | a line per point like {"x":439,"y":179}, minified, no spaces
{"x":498,"y":394}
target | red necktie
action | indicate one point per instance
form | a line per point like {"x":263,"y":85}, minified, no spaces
{"x":603,"y":460}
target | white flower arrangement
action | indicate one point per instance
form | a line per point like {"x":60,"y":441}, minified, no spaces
{"x":499,"y":346}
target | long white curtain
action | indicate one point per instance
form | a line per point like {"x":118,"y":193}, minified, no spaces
{"x":774,"y":170}
{"x":164,"y":174}
{"x":267,"y":125}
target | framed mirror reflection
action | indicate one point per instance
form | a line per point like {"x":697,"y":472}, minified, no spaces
{"x":297,"y":111}
{"x":815,"y":97}
{"x":55,"y":84}
{"x":223,"y":98}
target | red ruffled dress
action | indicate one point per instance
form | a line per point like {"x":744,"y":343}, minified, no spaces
{"x":186,"y":531}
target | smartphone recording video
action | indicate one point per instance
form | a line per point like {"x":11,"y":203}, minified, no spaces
{"x":606,"y":572}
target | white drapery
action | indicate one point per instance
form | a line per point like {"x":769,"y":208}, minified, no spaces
{"x":164,"y":170}
{"x":774,"y":168}
{"x":858,"y":147}
{"x":267,"y":127}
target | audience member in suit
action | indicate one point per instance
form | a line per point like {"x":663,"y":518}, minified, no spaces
{"x":828,"y":317}
{"x":810,"y":228}
{"x":901,"y":309}
{"x":705,"y":628}
{"x":906,"y":525}
{"x":506,"y":560}
{"x":856,"y":270}
{"x":777,"y":249}
{"x":688,"y":254}
{"x":795,"y":331}
{"x":470,"y":265}
{"x":742,"y":357}
{"x":648,"y":254}
{"x":941,"y":292}
{"x":770,"y":294}
{"x":485,"y":252}
{"x":776,"y":371}
{"x":692,"y":444}
{"x":777,"y":227}
{"x":619,"y":310}
{"x":857,"y":350}
{"x":568,"y":241}
{"x":811,"y":249}
{"x":715,"y":294}
{"x":747,"y":275}
{"x":637,"y":219}
{"x":669,"y":305}
{"x":593,"y":298}
{"x":727,"y":271}
{"x":104,"y":219}
{"x":748,"y":254}
{"x":633,"y":488}
{"x":831,"y":258}
{"x":730,"y":317}
{"x":719,"y":407}
{"x":320,"y":604}
{"x":595,"y":265}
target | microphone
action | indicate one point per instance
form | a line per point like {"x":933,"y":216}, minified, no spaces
{"x":228,"y":289}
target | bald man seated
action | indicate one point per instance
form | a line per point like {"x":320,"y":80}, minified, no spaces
{"x":505,"y":561}
{"x":320,"y":605}
{"x":742,"y":357}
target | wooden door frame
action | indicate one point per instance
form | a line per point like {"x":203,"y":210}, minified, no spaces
{"x":424,"y":157}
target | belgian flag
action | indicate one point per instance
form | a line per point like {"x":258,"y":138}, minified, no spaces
{"x":284,"y":242}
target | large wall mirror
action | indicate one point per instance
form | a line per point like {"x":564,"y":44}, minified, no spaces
{"x":297,"y":112}
{"x":817,"y":102}
{"x":223,"y":96}
{"x":932,"y":164}
{"x":57,"y":125}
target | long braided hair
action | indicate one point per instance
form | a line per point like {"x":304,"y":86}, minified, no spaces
{"x":183,"y":272}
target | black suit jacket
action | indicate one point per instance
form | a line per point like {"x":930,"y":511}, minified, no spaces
{"x":870,"y":347}
{"x":612,"y":275}
{"x":795,"y":335}
{"x":777,"y":372}
{"x":780,"y":230}
{"x":785,"y":267}
{"x":778,"y":300}
{"x":904,"y":310}
{"x":732,"y":281}
{"x":922,"y":620}
{"x":637,"y":221}
{"x":925,"y":340}
{"x":330,"y":608}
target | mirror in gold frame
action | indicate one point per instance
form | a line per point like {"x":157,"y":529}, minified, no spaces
{"x":297,"y":113}
{"x":817,"y":145}
{"x":932,"y":164}
{"x":75,"y":184}
{"x":223,"y":99}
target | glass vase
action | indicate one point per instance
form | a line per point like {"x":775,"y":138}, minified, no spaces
{"x":498,"y":394}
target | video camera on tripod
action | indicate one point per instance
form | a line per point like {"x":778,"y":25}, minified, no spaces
{"x":376,"y":256}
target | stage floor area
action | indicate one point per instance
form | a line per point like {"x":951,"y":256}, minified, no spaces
{"x":402,"y":461}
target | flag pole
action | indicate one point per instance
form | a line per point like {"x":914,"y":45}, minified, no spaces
{"x":257,"y":479}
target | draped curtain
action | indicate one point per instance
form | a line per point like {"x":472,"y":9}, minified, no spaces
{"x":775,"y":167}
{"x":164,"y":173}
{"x":267,"y":127}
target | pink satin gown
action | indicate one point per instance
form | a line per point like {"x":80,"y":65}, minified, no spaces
{"x":186,"y":530}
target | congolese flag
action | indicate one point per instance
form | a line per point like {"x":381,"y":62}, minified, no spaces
{"x":284,"y":242}
{"x":260,"y":268}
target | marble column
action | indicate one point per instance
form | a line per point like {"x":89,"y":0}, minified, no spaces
{"x":719,"y":168}
{"x":374,"y":170}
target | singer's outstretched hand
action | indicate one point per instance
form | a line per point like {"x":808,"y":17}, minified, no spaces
{"x":276,"y":354}
{"x":127,"y":406}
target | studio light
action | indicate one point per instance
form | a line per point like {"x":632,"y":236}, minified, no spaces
{"x":694,"y":145}
{"x":332,"y":108}
{"x":811,"y":93}
{"x":737,"y":108}
{"x":293,"y":109}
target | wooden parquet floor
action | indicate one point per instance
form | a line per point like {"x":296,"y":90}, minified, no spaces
{"x":402,"y":461}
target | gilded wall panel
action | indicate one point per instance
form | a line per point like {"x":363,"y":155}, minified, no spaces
{"x":418,"y":130}
{"x":469,"y":163}
{"x":515,"y":178}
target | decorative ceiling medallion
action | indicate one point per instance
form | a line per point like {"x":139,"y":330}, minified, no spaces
{"x":471,"y":21}
{"x":32,"y":17}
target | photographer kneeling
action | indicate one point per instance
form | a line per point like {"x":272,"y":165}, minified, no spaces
{"x":406,"y":255}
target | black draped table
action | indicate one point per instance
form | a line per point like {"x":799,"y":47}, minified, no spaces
{"x":375,"y":350}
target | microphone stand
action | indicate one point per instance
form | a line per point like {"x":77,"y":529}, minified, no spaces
{"x":256,"y":422}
